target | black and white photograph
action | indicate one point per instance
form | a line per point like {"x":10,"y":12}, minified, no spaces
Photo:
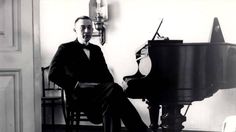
{"x":117,"y":66}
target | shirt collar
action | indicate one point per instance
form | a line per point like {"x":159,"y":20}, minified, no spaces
{"x":77,"y":42}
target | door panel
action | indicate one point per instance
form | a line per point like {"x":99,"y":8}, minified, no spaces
{"x":7,"y":25}
{"x":18,"y":73}
{"x":10,"y":100}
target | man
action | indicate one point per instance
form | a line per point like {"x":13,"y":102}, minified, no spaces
{"x":79,"y":67}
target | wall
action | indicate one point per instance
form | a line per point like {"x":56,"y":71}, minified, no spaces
{"x":133,"y":22}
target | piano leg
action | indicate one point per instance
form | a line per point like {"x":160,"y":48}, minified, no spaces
{"x":172,"y":118}
{"x":154,"y":115}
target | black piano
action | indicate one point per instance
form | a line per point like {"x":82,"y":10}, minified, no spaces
{"x":180,"y":74}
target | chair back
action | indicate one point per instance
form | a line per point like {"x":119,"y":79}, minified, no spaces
{"x":49,"y":89}
{"x":52,"y":95}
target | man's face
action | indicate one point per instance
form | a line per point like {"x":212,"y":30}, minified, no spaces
{"x":84,"y":30}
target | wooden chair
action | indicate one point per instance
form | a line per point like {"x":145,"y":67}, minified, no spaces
{"x":52,"y":96}
{"x":73,"y":115}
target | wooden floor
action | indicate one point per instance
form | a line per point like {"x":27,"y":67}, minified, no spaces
{"x":61,"y":128}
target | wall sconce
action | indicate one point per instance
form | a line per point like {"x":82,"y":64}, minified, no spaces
{"x":98,"y":11}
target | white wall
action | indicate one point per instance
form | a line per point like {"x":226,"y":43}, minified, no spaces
{"x":133,"y":22}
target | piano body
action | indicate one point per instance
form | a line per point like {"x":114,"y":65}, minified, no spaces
{"x":180,"y":74}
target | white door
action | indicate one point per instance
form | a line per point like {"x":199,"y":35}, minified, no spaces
{"x":19,"y":60}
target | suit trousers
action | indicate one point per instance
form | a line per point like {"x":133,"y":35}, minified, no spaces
{"x":108,"y":103}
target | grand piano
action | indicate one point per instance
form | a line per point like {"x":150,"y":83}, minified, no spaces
{"x":180,"y":74}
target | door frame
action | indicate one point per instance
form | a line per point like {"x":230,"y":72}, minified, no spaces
{"x":37,"y":64}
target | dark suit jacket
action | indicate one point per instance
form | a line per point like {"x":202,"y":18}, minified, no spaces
{"x":70,"y":64}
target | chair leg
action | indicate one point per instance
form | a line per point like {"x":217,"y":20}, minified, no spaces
{"x":111,"y":124}
{"x":77,"y":121}
{"x":44,"y":113}
{"x":53,"y":121}
{"x":72,"y":119}
{"x":69,"y":122}
{"x":67,"y":125}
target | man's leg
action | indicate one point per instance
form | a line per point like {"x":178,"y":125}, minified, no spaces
{"x":111,"y":121}
{"x":116,"y":100}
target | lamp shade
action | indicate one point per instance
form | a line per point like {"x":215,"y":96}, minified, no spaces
{"x":98,"y":8}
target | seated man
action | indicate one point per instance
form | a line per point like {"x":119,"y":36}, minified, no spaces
{"x":79,"y":65}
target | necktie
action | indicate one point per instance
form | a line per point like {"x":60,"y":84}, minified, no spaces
{"x":85,"y":46}
{"x":86,"y":50}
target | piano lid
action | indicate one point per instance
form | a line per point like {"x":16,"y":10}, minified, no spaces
{"x":216,"y":35}
{"x":185,"y":72}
